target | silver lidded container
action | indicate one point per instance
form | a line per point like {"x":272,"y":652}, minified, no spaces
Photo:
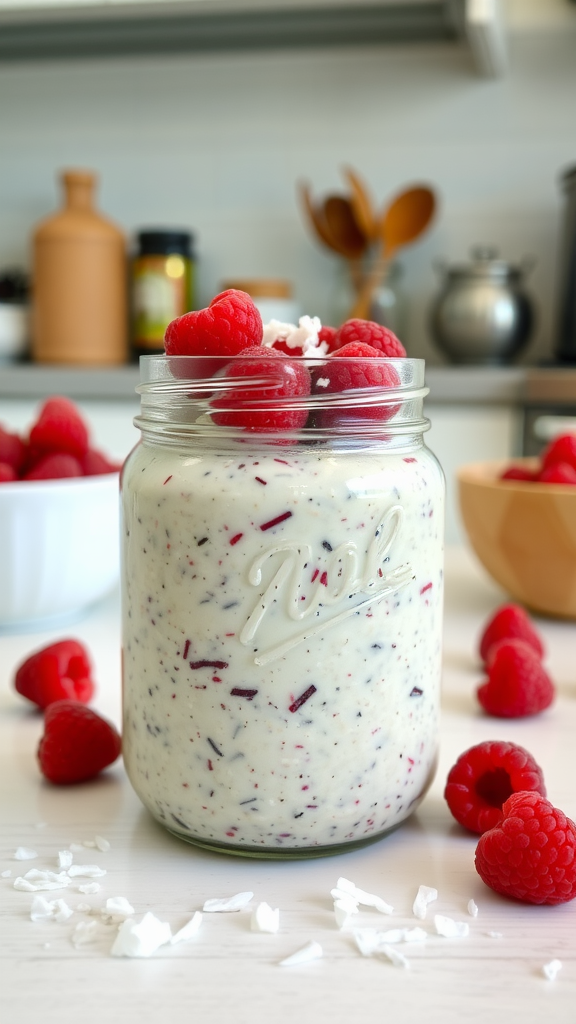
{"x":482,"y":314}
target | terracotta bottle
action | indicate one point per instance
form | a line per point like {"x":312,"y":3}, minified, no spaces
{"x":79,"y":280}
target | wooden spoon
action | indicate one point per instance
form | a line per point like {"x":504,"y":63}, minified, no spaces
{"x":316,"y":218}
{"x":362,"y":207}
{"x":404,"y":220}
{"x":343,"y":227}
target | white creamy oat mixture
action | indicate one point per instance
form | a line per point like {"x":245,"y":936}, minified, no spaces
{"x":282,"y":634}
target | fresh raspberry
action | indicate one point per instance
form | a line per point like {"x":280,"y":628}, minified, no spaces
{"x":54,"y":467}
{"x":517,"y":683}
{"x":369,"y":333}
{"x":57,"y":672}
{"x":350,"y":368}
{"x":531,"y":854}
{"x":484,"y":777}
{"x":263,"y":406}
{"x":561,"y":449}
{"x":328,"y":334}
{"x":518,"y":473}
{"x":95,"y":463}
{"x":509,"y":622}
{"x":60,"y":428}
{"x":557,"y":473}
{"x":77,"y":743}
{"x":12,"y":449}
{"x":230,"y":324}
{"x":7,"y":473}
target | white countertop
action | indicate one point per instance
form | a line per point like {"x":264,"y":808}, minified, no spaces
{"x":228,"y":973}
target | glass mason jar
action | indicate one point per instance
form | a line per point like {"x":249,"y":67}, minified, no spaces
{"x":282,"y":607}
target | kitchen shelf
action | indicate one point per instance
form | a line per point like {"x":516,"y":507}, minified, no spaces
{"x":58,"y":29}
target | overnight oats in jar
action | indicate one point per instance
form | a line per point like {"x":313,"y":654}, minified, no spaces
{"x":282,"y":598}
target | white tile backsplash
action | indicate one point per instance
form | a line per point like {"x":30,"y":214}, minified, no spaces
{"x":217,"y":142}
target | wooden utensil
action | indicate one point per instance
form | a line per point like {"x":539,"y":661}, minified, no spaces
{"x":335,"y":226}
{"x":316,"y":218}
{"x":343,"y":227}
{"x":407,"y":217}
{"x":362,"y":207}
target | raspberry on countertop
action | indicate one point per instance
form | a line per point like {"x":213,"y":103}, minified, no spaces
{"x":510,"y":621}
{"x":56,"y":672}
{"x":77,"y":743}
{"x":531,"y":854}
{"x":517,"y":684}
{"x":484,"y":777}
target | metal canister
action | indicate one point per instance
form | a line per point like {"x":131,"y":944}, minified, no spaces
{"x":162,"y":285}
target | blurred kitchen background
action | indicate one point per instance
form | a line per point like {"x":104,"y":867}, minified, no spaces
{"x":206,"y":116}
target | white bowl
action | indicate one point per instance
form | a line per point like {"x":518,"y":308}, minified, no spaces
{"x":59,"y":548}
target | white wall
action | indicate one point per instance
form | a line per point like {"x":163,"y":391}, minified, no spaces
{"x":217,"y":142}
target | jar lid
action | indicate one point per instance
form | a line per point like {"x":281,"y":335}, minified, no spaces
{"x":262,"y":287}
{"x":485,"y":264}
{"x":164,"y":242}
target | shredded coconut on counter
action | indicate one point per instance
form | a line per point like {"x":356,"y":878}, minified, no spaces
{"x":312,"y":951}
{"x":265,"y":919}
{"x":449,"y":928}
{"x":23,"y":853}
{"x":141,"y":938}
{"x":229,"y":904}
{"x":188,"y":931}
{"x":425,"y":895}
{"x":551,"y":969}
{"x":345,"y":888}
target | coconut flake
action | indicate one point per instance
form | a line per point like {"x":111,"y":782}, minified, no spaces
{"x":189,"y":929}
{"x":84,"y":933}
{"x":304,"y":336}
{"x":65,"y":858}
{"x":102,"y":844}
{"x":89,"y":888}
{"x":36,"y":881}
{"x":344,"y":909}
{"x":312,"y":951}
{"x":141,"y":938}
{"x":472,"y":908}
{"x":551,"y":969}
{"x":265,"y":919}
{"x":23,"y":853}
{"x":90,"y":844}
{"x":41,"y":909}
{"x":86,"y":871}
{"x":395,"y":956}
{"x":367,"y":899}
{"x":371,"y":941}
{"x":425,"y":895}
{"x":6,"y":874}
{"x":450,"y":929}
{"x":322,"y":382}
{"x":229,"y":904}
{"x":118,"y":906}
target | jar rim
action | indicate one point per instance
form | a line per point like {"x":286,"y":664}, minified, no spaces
{"x":183,"y":396}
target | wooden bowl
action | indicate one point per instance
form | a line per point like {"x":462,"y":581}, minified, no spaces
{"x":524,"y":534}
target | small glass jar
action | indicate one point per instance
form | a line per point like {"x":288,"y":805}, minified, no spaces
{"x":282,"y":610}
{"x":162,"y":286}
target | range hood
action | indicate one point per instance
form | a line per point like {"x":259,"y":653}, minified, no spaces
{"x":32,"y":29}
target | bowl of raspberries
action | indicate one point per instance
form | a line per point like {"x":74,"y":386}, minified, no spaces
{"x":59,"y":519}
{"x":520,"y":518}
